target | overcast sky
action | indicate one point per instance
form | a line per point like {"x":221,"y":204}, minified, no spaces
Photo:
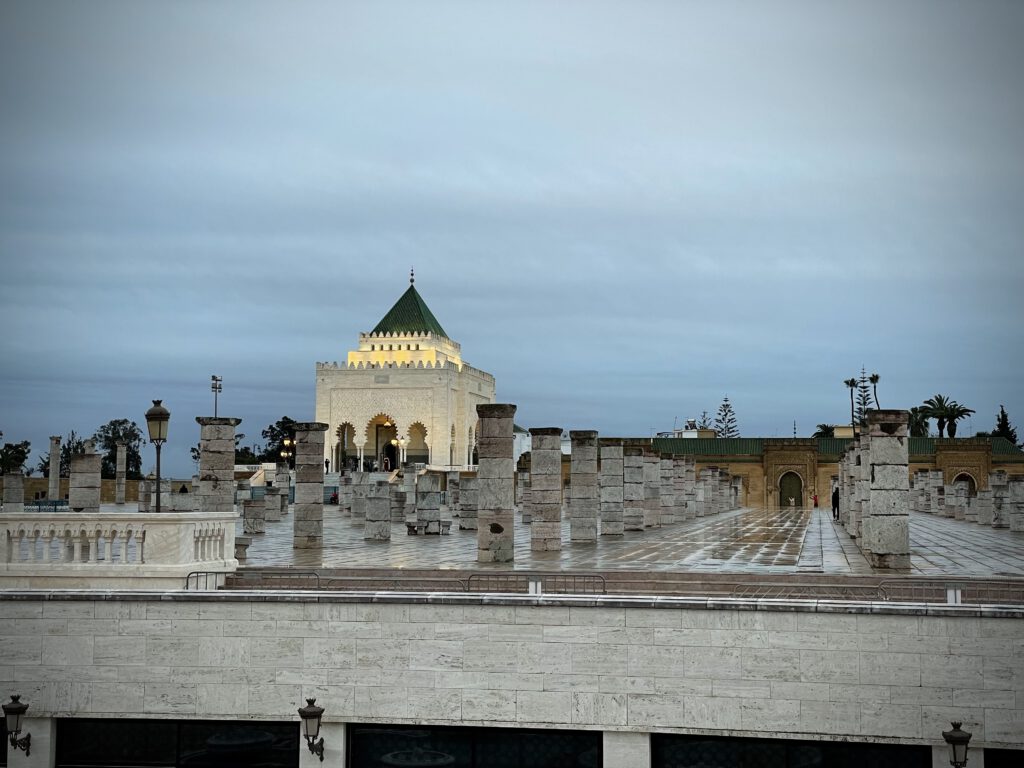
{"x":624,"y":211}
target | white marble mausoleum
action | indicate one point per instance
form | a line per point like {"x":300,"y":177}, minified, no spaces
{"x":403,"y":395}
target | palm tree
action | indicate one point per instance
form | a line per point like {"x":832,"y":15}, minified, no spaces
{"x":825,"y":430}
{"x":874,"y":379}
{"x":918,"y":423}
{"x":852,"y":385}
{"x":954,"y":413}
{"x":937,"y":407}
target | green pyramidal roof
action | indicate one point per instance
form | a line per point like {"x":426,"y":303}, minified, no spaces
{"x":410,"y":315}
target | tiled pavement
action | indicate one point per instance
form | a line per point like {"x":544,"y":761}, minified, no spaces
{"x":747,"y":541}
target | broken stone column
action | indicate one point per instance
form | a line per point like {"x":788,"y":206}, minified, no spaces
{"x":523,"y":497}
{"x":216,"y":464}
{"x":409,"y":477}
{"x":272,"y":504}
{"x":886,"y":528}
{"x":14,"y":494}
{"x":862,"y":486}
{"x":145,"y":495}
{"x":983,"y":507}
{"x":999,"y":483}
{"x":667,"y":494}
{"x":709,"y":482}
{"x":737,"y":491}
{"x":308,"y":524}
{"x":378,"y":512}
{"x":254,"y":514}
{"x":690,"y":487}
{"x":583,"y":472}
{"x":283,"y":480}
{"x":53,"y":491}
{"x":397,"y":502}
{"x":633,"y":488}
{"x":453,"y":491}
{"x":119,"y":474}
{"x":244,"y":490}
{"x":936,"y":494}
{"x":84,"y":486}
{"x":1016,"y":502}
{"x":469,"y":488}
{"x":610,"y":482}
{"x":359,"y":490}
{"x":652,"y":489}
{"x":545,"y":489}
{"x":949,"y":495}
{"x":428,"y":503}
{"x":496,"y":471}
{"x":963,"y":492}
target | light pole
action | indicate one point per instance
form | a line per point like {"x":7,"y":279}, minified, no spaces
{"x":287,"y":451}
{"x":157,"y":419}
{"x":957,"y":741}
{"x":216,"y":386}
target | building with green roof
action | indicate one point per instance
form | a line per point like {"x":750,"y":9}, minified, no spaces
{"x":404,"y":394}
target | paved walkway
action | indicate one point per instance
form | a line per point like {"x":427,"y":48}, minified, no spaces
{"x":747,"y":541}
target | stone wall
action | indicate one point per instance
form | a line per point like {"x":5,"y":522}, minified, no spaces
{"x":612,"y":665}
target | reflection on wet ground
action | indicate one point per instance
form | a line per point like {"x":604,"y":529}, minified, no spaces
{"x":743,"y":541}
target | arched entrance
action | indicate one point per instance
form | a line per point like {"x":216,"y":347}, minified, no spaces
{"x":416,"y":451}
{"x":972,"y":486}
{"x":379,"y":433}
{"x":791,"y":487}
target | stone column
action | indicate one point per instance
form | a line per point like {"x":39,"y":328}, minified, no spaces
{"x":523,"y":497}
{"x":983,"y":507}
{"x":690,"y":487}
{"x":14,"y":495}
{"x":469,"y":490}
{"x":359,"y":490}
{"x":428,"y":502}
{"x":583,"y":472}
{"x":119,"y":475}
{"x":886,"y":529}
{"x":53,"y":491}
{"x":272,"y":504}
{"x":545,"y":489}
{"x":378,"y":512}
{"x":667,"y":493}
{"x":84,"y":490}
{"x":496,"y":470}
{"x":1016,"y":502}
{"x":999,"y":483}
{"x":863,"y":486}
{"x":963,"y":498}
{"x":610,"y":481}
{"x":216,"y":464}
{"x":283,"y":480}
{"x":652,"y":489}
{"x":254,"y":515}
{"x":453,"y":491}
{"x":936,"y":493}
{"x":632,"y":488}
{"x":308,"y":524}
{"x":145,"y":495}
{"x":397,"y":502}
{"x":409,"y":476}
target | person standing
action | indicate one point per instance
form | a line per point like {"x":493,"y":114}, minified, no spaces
{"x":835,"y":503}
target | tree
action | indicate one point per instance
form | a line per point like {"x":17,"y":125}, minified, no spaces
{"x":863,"y":398}
{"x":72,"y":446}
{"x":918,"y":423}
{"x":851,"y":384}
{"x":954,"y":413}
{"x":704,"y":422}
{"x":275,"y":434}
{"x":825,"y":430}
{"x":13,"y":456}
{"x":1003,"y":428}
{"x":937,"y":407}
{"x":107,"y":438}
{"x":874,"y":378}
{"x":725,"y":420}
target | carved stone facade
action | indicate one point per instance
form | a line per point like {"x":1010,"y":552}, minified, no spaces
{"x":799,"y":457}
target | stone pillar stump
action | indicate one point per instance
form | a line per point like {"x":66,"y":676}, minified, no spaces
{"x":496,"y":470}
{"x":583,"y":478}
{"x":545,"y":509}
{"x":308,"y":523}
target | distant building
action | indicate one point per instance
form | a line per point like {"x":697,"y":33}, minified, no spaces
{"x":404,"y":395}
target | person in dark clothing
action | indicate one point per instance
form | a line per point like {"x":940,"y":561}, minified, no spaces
{"x":835,"y":503}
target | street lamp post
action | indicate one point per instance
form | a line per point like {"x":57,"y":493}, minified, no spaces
{"x":287,"y":451}
{"x":957,"y":740}
{"x":157,"y":419}
{"x":216,"y":386}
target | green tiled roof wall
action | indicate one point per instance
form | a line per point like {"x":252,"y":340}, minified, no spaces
{"x":709,"y":446}
{"x":410,"y":315}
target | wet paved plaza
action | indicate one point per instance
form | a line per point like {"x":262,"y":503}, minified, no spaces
{"x":747,"y":541}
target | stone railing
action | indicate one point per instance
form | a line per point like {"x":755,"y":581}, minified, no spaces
{"x":113,"y":549}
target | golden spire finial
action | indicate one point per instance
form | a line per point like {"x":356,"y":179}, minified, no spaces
{"x":412,"y":275}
